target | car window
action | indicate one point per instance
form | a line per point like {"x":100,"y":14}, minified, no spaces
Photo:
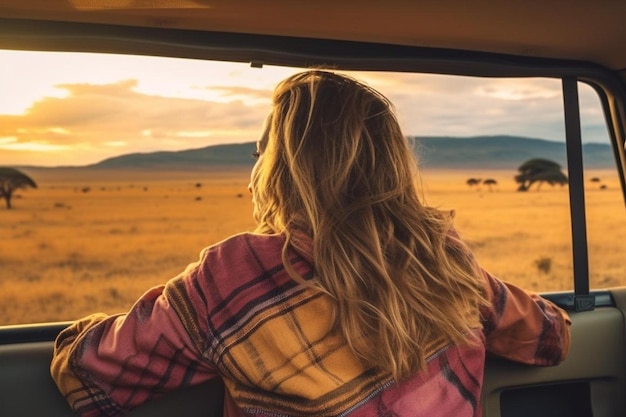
{"x":603,"y":196}
{"x":140,"y":162}
{"x":520,"y":236}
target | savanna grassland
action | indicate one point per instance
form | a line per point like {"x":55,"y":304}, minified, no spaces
{"x":88,"y":241}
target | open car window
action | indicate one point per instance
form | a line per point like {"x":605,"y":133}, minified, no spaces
{"x":140,"y":162}
{"x":604,"y":200}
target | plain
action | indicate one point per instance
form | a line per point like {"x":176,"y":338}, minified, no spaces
{"x":89,"y":240}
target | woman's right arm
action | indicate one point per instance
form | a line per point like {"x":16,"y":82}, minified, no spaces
{"x":107,"y":365}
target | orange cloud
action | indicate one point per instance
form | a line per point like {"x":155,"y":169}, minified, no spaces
{"x":112,"y":119}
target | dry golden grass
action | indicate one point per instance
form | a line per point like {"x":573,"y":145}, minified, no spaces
{"x":511,"y":232}
{"x":66,"y":253}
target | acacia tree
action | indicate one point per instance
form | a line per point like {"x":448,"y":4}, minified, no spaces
{"x":538,"y":171}
{"x":10,"y":180}
{"x":490,"y":182}
{"x":473,"y":182}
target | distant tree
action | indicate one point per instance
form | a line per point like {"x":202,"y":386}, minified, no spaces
{"x":10,"y":180}
{"x":595,"y":179}
{"x":473,"y":182}
{"x":490,"y":182}
{"x":539,"y":171}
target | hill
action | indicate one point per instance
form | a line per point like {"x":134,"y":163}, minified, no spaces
{"x":502,"y":152}
{"x":484,"y":152}
{"x":218,"y":155}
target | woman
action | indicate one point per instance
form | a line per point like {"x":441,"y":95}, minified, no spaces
{"x":351,"y":297}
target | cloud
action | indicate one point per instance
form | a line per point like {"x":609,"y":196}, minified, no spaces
{"x":110,"y":119}
{"x":247,"y":94}
{"x":90,"y":122}
{"x":437,"y":105}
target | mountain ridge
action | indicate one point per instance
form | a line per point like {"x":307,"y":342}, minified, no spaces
{"x":445,"y":152}
{"x":502,"y":152}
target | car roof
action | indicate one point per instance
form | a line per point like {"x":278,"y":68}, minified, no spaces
{"x":579,"y":30}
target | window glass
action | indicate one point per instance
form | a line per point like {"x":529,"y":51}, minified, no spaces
{"x":604,"y":199}
{"x":131,"y":184}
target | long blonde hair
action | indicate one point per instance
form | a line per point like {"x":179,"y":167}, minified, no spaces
{"x":337,"y":167}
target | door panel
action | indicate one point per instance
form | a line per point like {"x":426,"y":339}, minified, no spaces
{"x":590,"y":382}
{"x":595,"y":366}
{"x":27,"y":390}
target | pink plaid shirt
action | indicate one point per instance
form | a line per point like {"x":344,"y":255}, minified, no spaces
{"x":236,"y":314}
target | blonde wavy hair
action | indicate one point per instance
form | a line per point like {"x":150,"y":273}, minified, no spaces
{"x":336,"y":166}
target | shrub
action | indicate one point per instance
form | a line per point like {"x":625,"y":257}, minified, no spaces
{"x":544,"y":264}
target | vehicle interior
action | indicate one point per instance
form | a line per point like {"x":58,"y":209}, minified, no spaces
{"x":576,"y":42}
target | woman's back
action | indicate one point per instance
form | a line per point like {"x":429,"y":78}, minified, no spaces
{"x":238,"y":314}
{"x":335,"y":165}
{"x":351,"y":297}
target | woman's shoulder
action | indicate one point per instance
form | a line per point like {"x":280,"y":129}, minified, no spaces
{"x":246,"y":255}
{"x":226,"y":265}
{"x":248,"y":241}
{"x":244,"y":249}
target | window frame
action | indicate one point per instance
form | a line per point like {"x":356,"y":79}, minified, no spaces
{"x":259,"y":50}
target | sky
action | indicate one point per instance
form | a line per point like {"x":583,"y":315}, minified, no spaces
{"x":74,"y":109}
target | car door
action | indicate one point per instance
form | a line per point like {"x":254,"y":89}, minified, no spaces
{"x":589,"y":383}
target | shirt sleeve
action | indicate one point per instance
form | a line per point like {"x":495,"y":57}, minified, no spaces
{"x":523,"y":326}
{"x":107,"y":365}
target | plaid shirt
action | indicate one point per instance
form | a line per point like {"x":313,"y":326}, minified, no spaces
{"x":236,"y":314}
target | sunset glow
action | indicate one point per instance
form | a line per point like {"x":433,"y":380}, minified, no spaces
{"x":87,"y":107}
